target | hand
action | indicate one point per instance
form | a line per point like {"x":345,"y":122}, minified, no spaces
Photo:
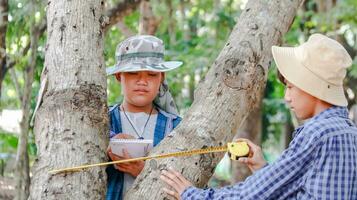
{"x":255,"y":159}
{"x":176,"y":181}
{"x":119,"y":136}
{"x":133,"y":168}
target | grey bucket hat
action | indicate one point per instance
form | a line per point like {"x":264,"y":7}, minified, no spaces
{"x":141,"y":53}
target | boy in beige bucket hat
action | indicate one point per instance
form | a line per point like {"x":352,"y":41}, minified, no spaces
{"x":147,"y":111}
{"x":321,"y":160}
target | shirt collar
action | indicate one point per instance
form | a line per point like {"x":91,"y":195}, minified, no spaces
{"x":334,"y":111}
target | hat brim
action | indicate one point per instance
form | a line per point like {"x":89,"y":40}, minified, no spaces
{"x":133,"y":67}
{"x":296,"y":73}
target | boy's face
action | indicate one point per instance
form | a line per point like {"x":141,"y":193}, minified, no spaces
{"x":300,"y":102}
{"x":140,"y":88}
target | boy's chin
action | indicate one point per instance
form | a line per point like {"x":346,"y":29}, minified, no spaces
{"x":141,"y":102}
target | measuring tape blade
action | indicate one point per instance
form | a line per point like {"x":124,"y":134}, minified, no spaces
{"x":167,"y":155}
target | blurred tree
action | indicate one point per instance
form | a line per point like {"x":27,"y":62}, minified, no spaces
{"x":22,"y":158}
{"x":3,"y":29}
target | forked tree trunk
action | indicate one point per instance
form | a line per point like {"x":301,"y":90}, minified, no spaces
{"x":222,"y":101}
{"x":71,"y":124}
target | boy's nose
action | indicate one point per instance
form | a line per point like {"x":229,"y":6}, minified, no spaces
{"x":142,"y":80}
{"x":287,"y":97}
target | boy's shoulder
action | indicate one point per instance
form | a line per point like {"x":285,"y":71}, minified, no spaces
{"x":167,"y":114}
{"x":325,"y":128}
{"x":113,"y":107}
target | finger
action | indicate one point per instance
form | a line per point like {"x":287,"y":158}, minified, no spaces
{"x":250,"y":143}
{"x":109,"y":149}
{"x":178,"y":175}
{"x":169,"y":181}
{"x":243,"y":160}
{"x":123,"y":168}
{"x":170,"y":192}
{"x":172,"y":176}
{"x":126,"y":154}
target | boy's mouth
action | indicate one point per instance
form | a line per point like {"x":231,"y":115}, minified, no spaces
{"x":141,"y":91}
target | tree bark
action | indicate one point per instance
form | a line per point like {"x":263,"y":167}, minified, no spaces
{"x":3,"y":29}
{"x":148,"y":22}
{"x":71,"y":123}
{"x":223,"y":100}
{"x":22,"y":176}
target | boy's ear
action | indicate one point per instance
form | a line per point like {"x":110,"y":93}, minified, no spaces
{"x":162,"y":77}
{"x":117,"y":76}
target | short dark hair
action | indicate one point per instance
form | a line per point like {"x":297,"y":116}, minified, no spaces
{"x":281,"y":77}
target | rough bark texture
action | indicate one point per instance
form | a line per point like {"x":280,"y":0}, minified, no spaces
{"x":3,"y":28}
{"x":223,"y":100}
{"x":22,"y":176}
{"x":148,"y":22}
{"x":71,"y":123}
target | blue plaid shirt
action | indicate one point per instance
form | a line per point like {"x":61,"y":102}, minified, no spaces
{"x":320,"y":163}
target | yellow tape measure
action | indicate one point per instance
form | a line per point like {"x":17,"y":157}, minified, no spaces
{"x":235,"y":150}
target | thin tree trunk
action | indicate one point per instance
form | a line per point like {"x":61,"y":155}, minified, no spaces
{"x":148,"y":23}
{"x":3,"y":29}
{"x":223,"y":100}
{"x":71,"y":123}
{"x":184,"y":28}
{"x":124,"y":29}
{"x":171,"y":26}
{"x":16,"y":83}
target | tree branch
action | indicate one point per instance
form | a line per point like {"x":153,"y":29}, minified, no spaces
{"x":119,"y":11}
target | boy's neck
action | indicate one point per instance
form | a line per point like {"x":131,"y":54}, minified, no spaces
{"x":321,"y":106}
{"x":133,"y":108}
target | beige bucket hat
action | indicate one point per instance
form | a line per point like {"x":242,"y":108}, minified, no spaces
{"x":317,"y":66}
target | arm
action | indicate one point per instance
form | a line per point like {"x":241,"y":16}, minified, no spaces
{"x":277,"y":179}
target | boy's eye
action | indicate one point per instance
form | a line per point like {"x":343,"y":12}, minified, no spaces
{"x":153,"y":74}
{"x":132,"y":73}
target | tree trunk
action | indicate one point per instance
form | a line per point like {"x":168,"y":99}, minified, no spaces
{"x":3,"y":29}
{"x":126,"y":31}
{"x":148,"y":22}
{"x":171,"y":25}
{"x":22,"y":176}
{"x":251,"y":130}
{"x":184,"y":28}
{"x":71,"y":123}
{"x":223,"y":100}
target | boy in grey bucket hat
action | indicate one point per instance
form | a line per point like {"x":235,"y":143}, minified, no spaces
{"x":147,"y":111}
{"x":321,"y":160}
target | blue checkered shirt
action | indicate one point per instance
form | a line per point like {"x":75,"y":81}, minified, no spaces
{"x":320,"y":163}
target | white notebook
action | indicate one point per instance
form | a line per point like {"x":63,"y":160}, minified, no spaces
{"x":135,"y":147}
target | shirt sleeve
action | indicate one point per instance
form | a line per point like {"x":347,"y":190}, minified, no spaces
{"x":278,"y":179}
